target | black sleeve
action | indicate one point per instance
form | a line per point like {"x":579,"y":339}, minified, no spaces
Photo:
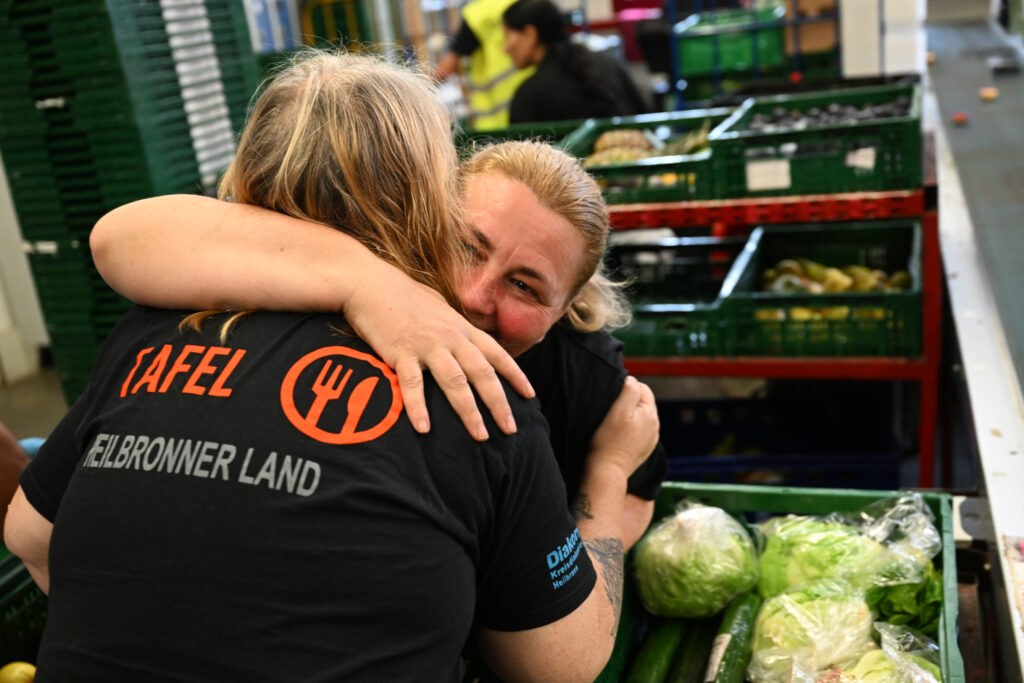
{"x":535,"y":569}
{"x":465,"y":41}
{"x":46,"y":477}
{"x":524,"y":106}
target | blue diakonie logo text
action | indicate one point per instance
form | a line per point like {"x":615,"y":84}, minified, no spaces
{"x":562,"y":560}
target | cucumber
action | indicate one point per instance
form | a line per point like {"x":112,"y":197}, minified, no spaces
{"x":655,"y":654}
{"x":691,"y":659}
{"x":730,"y":652}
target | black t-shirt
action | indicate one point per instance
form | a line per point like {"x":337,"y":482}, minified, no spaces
{"x":554,"y":94}
{"x":261,"y":509}
{"x":577,"y":377}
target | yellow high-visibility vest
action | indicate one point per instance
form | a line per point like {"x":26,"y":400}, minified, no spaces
{"x":493,"y":78}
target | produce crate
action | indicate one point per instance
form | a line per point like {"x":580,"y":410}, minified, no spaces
{"x":654,"y":179}
{"x":675,"y":286}
{"x":874,"y":323}
{"x":823,"y":470}
{"x":552,"y":132}
{"x":23,"y":607}
{"x":752,"y":503}
{"x":729,"y":40}
{"x":829,"y":155}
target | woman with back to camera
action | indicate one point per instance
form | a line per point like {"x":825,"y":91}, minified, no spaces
{"x":571,"y":82}
{"x":242,"y":498}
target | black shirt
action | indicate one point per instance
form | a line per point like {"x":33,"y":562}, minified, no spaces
{"x":577,"y":377}
{"x":553,"y":94}
{"x":261,"y":509}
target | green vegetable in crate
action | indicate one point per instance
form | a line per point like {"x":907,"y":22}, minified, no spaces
{"x":809,"y":630}
{"x":917,"y":605}
{"x":800,"y":548}
{"x":614,"y":155}
{"x":624,"y":138}
{"x":904,"y":657}
{"x":730,"y":652}
{"x":692,"y":563}
{"x":691,"y":658}
{"x":655,"y":655}
{"x":876,"y":667}
{"x":801,"y":275}
{"x":691,"y":143}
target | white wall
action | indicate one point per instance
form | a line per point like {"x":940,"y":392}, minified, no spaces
{"x":22,"y":330}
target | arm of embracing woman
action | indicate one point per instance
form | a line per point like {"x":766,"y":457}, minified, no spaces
{"x":578,"y":646}
{"x":193,"y":252}
{"x":27,"y":535}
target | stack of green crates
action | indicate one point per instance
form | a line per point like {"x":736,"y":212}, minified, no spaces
{"x":23,"y":607}
{"x":105,"y":103}
{"x":850,"y":151}
{"x":657,"y":178}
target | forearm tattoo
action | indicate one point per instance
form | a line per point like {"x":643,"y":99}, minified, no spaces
{"x":608,"y":553}
{"x":580,"y":507}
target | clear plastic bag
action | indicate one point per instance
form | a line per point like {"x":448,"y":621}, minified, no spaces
{"x":814,"y":627}
{"x":693,"y":562}
{"x":904,"y":657}
{"x":888,"y":543}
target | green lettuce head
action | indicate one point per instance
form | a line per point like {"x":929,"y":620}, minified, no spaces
{"x":810,"y":629}
{"x":692,"y":563}
{"x":799,"y":549}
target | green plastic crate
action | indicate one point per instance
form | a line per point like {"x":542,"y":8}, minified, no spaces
{"x":552,"y":132}
{"x":23,"y":607}
{"x":876,"y":323}
{"x":879,"y":154}
{"x":675,"y":286}
{"x":735,"y":35}
{"x":654,"y":179}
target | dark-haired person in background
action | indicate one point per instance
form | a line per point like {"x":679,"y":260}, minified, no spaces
{"x":571,"y":82}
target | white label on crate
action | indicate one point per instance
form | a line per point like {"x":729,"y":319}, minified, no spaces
{"x":201,"y":90}
{"x":218,"y":100}
{"x":45,"y":247}
{"x":193,"y":52}
{"x":715,"y":658}
{"x":768,"y":174}
{"x":199,"y":77}
{"x":51,"y":103}
{"x":188,"y":12}
{"x":204,"y":64}
{"x":183,"y":39}
{"x":197,"y":117}
{"x":861,"y":158}
{"x":174,"y":27}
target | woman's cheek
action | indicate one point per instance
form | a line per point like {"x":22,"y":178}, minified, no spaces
{"x":523,"y":326}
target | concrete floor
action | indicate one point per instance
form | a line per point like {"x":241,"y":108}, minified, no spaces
{"x":32,"y":406}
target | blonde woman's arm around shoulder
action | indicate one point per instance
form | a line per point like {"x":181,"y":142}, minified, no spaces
{"x":193,"y":252}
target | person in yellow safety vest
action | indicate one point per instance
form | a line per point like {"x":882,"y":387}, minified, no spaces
{"x":493,"y":78}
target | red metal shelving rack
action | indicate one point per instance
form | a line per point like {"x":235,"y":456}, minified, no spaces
{"x":729,"y":214}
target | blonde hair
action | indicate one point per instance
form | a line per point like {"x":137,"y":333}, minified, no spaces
{"x":361,"y":145}
{"x":561,"y":185}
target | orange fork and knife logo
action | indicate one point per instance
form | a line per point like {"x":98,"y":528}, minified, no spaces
{"x":334,"y":381}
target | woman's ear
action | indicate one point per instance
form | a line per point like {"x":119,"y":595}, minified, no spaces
{"x":530,"y":31}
